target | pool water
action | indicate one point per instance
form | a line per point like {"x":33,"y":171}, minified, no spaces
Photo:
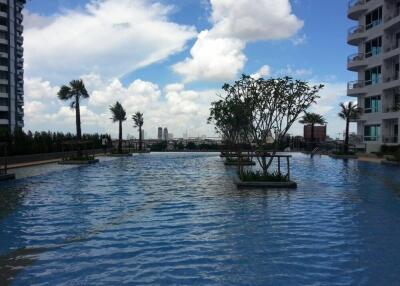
{"x":178,"y":219}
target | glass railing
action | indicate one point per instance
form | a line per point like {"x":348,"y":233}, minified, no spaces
{"x":373,"y":24}
{"x":371,"y":138}
{"x":356,"y":29}
{"x":353,"y":3}
{"x":390,"y":139}
{"x":355,"y":84}
{"x":355,"y":57}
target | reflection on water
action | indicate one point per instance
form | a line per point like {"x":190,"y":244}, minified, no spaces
{"x":166,"y":219}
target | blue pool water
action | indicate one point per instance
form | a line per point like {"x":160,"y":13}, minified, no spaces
{"x":177,"y":219}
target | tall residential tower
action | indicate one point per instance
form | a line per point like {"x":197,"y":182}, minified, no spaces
{"x":11,"y":65}
{"x":376,"y":37}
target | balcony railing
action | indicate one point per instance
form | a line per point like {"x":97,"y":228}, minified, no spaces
{"x":356,"y":29}
{"x":355,"y":58}
{"x":355,"y":84}
{"x":373,"y":24}
{"x":371,"y":138}
{"x":390,"y":139}
{"x":353,"y":3}
{"x":391,"y":77}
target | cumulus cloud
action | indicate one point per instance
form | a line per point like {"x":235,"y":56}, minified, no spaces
{"x":212,"y":59}
{"x":108,"y":37}
{"x":218,"y":52}
{"x":264,"y":71}
{"x":174,"y":106}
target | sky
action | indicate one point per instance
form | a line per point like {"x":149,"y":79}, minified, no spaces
{"x":170,"y":58}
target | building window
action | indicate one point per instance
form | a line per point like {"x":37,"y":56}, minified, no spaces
{"x":373,"y":47}
{"x":3,"y":115}
{"x":3,"y":75}
{"x":3,"y":101}
{"x":3,"y":7}
{"x":373,"y":19}
{"x":372,"y":133}
{"x":3,"y":89}
{"x":372,"y":104}
{"x":373,"y":76}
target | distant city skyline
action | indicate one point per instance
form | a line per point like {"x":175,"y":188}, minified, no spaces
{"x":168,"y":75}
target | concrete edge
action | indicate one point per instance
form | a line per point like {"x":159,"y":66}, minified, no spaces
{"x":390,"y":163}
{"x":75,"y":162}
{"x":7,"y":177}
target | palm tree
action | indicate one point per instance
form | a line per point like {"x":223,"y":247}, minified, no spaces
{"x":349,"y":112}
{"x":313,"y":119}
{"x":138,"y":119}
{"x":74,"y":92}
{"x":119,"y":114}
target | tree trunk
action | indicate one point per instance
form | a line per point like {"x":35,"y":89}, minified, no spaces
{"x":346,"y":140}
{"x":78,"y":125}
{"x":120,"y":138}
{"x":140,"y":138}
{"x":312,"y":137}
{"x":78,"y":119}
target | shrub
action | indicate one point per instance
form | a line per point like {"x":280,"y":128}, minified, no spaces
{"x":385,"y":149}
{"x":395,"y":157}
{"x":251,"y":176}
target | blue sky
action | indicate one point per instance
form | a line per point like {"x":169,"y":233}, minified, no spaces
{"x":173,"y":83}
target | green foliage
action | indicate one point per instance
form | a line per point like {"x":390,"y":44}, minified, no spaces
{"x":22,"y":143}
{"x":258,"y":176}
{"x":118,"y":112}
{"x":395,"y":156}
{"x":349,"y":111}
{"x":158,"y":147}
{"x":386,"y":149}
{"x":313,"y":119}
{"x":138,"y":119}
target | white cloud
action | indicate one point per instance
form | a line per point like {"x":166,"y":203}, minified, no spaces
{"x":299,"y":40}
{"x":218,"y":52}
{"x":264,"y":71}
{"x":254,"y":20}
{"x":108,"y":37}
{"x":213,"y":59}
{"x":174,"y":107}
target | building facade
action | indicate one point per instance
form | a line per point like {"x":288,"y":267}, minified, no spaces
{"x":165,"y":135}
{"x":376,"y":37}
{"x":319,"y":133}
{"x":11,"y":65}
{"x":160,"y":134}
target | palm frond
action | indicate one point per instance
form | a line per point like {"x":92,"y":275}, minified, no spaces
{"x":118,"y":112}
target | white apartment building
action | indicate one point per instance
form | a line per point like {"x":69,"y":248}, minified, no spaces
{"x":11,"y":65}
{"x":376,"y":36}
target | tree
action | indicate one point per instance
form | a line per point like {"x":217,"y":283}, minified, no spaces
{"x":74,"y":92}
{"x":313,"y":119}
{"x":349,"y":112}
{"x":138,"y":120}
{"x":265,"y":111}
{"x":118,"y":114}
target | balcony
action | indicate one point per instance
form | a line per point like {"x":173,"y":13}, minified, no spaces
{"x":356,"y":9}
{"x":392,"y":21}
{"x":356,"y":62}
{"x":390,"y":139}
{"x":391,"y":81}
{"x":355,"y":88}
{"x":356,"y":35}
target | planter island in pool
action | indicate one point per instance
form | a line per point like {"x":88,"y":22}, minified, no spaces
{"x":7,"y":177}
{"x":78,"y":162}
{"x":236,"y":163}
{"x":390,"y":163}
{"x":120,"y":155}
{"x":343,"y":156}
{"x":266,"y":185}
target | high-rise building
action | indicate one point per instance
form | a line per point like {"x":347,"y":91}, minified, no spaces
{"x":160,"y":134}
{"x":376,"y":37}
{"x":165,"y":135}
{"x":11,"y":65}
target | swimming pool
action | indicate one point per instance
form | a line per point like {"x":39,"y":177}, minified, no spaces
{"x":178,"y":219}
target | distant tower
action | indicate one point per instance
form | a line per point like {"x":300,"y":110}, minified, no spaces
{"x":165,"y":134}
{"x":160,"y":134}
